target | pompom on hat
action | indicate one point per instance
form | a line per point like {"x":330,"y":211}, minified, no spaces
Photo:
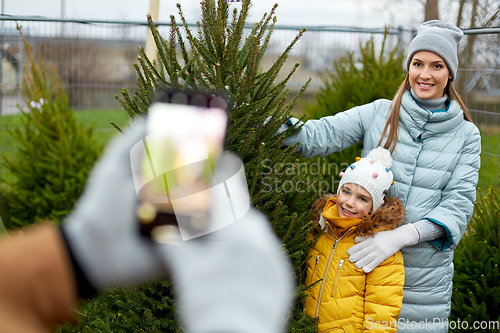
{"x":440,"y":38}
{"x":373,"y":173}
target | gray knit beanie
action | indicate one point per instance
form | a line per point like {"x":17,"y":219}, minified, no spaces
{"x":440,"y":38}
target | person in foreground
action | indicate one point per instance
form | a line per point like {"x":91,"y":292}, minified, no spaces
{"x":236,"y":279}
{"x":346,"y":297}
{"x":435,"y":149}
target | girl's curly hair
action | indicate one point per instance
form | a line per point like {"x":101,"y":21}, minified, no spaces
{"x":317,"y":210}
{"x":388,"y":216}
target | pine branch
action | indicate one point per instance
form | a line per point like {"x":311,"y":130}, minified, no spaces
{"x":149,"y":77}
{"x":150,"y":70}
{"x":127,"y":105}
{"x":266,"y":41}
{"x":274,"y":70}
{"x":116,"y":127}
{"x":280,"y":204}
{"x":173,"y":52}
{"x":245,"y":144}
{"x":160,"y":46}
{"x":256,"y":172}
{"x":207,"y":14}
{"x":185,"y":55}
{"x":220,"y":29}
{"x":294,"y":216}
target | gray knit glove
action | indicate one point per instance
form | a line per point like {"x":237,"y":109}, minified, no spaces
{"x":285,"y":126}
{"x":232,"y":280}
{"x":102,"y":231}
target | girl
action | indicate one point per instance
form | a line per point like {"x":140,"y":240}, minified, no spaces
{"x":435,"y":150}
{"x":344,"y":298}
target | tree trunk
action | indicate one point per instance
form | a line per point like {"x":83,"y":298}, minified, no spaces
{"x":460,"y":13}
{"x":431,"y":10}
{"x":467,"y":53}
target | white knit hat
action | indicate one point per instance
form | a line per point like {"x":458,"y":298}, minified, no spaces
{"x":373,"y":173}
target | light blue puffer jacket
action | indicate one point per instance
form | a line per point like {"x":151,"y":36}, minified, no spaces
{"x":435,"y":167}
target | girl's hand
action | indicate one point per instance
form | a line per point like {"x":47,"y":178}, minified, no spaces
{"x":369,"y":252}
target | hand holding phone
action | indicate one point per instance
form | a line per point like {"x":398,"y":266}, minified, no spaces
{"x":182,"y":146}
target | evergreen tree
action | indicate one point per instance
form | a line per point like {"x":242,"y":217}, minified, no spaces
{"x":2,"y":228}
{"x":55,"y":153}
{"x":218,"y":59}
{"x":355,"y":81}
{"x":476,"y":294}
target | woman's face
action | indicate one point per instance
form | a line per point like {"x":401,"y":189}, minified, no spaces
{"x":353,"y":201}
{"x":428,"y":75}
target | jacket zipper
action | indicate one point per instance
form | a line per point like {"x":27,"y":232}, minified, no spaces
{"x":315,"y":268}
{"x":337,"y":276}
{"x":327,"y":267}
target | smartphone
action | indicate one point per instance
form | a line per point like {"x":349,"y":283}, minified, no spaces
{"x":184,"y":139}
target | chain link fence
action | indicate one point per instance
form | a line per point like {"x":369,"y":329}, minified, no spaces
{"x":94,"y":61}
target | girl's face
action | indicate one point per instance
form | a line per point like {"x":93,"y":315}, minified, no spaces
{"x":353,"y":201}
{"x":428,"y":75}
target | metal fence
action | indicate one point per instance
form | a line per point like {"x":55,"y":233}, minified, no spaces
{"x":94,"y":61}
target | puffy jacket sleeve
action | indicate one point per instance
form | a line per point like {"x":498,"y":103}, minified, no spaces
{"x":333,"y":133}
{"x":459,"y":195}
{"x":384,"y":295}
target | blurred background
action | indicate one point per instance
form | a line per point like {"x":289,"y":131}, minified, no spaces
{"x":93,"y":45}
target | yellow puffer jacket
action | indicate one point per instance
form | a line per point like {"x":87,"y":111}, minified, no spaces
{"x":351,"y":300}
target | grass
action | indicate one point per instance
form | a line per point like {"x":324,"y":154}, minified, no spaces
{"x":101,"y":119}
{"x":489,"y":174}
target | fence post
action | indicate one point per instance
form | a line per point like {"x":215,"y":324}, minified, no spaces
{"x":400,"y":40}
{"x":20,"y":68}
{"x":413,"y":33}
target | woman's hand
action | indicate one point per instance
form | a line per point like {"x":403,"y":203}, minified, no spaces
{"x":369,"y":252}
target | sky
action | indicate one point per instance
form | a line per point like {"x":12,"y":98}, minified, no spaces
{"x":361,"y":13}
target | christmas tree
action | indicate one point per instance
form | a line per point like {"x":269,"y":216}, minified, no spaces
{"x":55,"y":154}
{"x":217,"y":58}
{"x":476,"y":293}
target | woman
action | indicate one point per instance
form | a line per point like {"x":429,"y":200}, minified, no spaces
{"x":435,"y":149}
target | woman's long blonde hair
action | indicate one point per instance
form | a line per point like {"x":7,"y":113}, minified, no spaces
{"x":392,"y":138}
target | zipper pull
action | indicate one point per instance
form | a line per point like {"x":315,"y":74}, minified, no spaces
{"x":341,"y":263}
{"x":317,"y":259}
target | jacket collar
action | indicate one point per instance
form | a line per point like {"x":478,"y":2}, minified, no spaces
{"x":422,"y":124}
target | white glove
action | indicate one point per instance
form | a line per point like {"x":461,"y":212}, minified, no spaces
{"x":369,"y":252}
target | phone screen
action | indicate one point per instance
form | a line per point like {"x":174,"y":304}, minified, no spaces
{"x":182,"y":146}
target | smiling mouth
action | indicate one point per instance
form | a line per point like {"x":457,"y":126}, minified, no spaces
{"x":347,"y":212}
{"x":425,"y":85}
